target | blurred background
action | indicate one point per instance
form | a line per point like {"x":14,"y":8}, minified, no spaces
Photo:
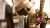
{"x":10,"y":20}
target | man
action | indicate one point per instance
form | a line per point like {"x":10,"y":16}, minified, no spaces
{"x":8,"y":14}
{"x":43,"y":24}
